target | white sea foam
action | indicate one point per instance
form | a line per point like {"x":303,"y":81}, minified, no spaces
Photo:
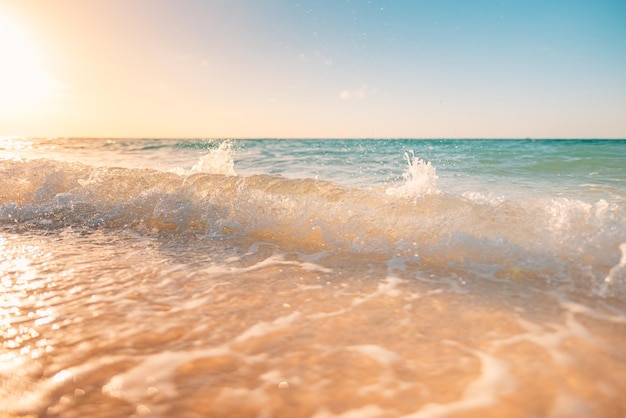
{"x":617,"y":274}
{"x":420,"y":178}
{"x":551,"y":338}
{"x":273,"y":260}
{"x":376,"y":352}
{"x":368,"y":411}
{"x":493,"y":382}
{"x":263,"y":328}
{"x":568,"y":405}
{"x":220,"y":160}
{"x":573,"y":307}
{"x":387,"y":287}
{"x":155,"y":376}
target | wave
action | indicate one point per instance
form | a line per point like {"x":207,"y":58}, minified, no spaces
{"x":220,"y":160}
{"x":557,"y":240}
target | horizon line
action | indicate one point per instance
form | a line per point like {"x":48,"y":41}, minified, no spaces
{"x":390,"y":138}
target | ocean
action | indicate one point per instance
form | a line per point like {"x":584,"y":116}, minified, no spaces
{"x":312,"y":278}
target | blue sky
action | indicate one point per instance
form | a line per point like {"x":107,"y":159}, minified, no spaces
{"x":322,"y":68}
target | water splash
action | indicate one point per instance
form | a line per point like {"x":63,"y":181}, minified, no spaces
{"x":220,"y":160}
{"x":616,"y":275}
{"x":420,"y":178}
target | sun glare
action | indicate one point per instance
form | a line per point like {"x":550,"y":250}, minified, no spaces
{"x":23,"y":81}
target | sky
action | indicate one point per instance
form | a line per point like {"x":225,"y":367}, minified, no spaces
{"x":313,"y":69}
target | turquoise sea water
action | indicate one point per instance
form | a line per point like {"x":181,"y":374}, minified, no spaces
{"x":537,"y":166}
{"x":323,"y":278}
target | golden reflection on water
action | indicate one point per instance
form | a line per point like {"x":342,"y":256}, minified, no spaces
{"x":10,"y":144}
{"x":23,"y":309}
{"x":22,"y":292}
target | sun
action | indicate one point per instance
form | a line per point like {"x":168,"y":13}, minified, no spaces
{"x":24,"y":83}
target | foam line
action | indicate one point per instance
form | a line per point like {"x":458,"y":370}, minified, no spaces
{"x":483,"y":392}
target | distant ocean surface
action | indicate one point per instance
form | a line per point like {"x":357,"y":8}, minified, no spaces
{"x":312,"y":278}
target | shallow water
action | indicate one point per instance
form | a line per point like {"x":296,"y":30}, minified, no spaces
{"x":216,"y":286}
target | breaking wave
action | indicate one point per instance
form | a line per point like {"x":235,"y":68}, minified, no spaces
{"x":559,"y":240}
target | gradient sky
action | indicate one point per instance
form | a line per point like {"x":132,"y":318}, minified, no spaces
{"x":270,"y":68}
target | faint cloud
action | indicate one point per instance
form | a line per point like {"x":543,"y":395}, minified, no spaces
{"x":358,"y":94}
